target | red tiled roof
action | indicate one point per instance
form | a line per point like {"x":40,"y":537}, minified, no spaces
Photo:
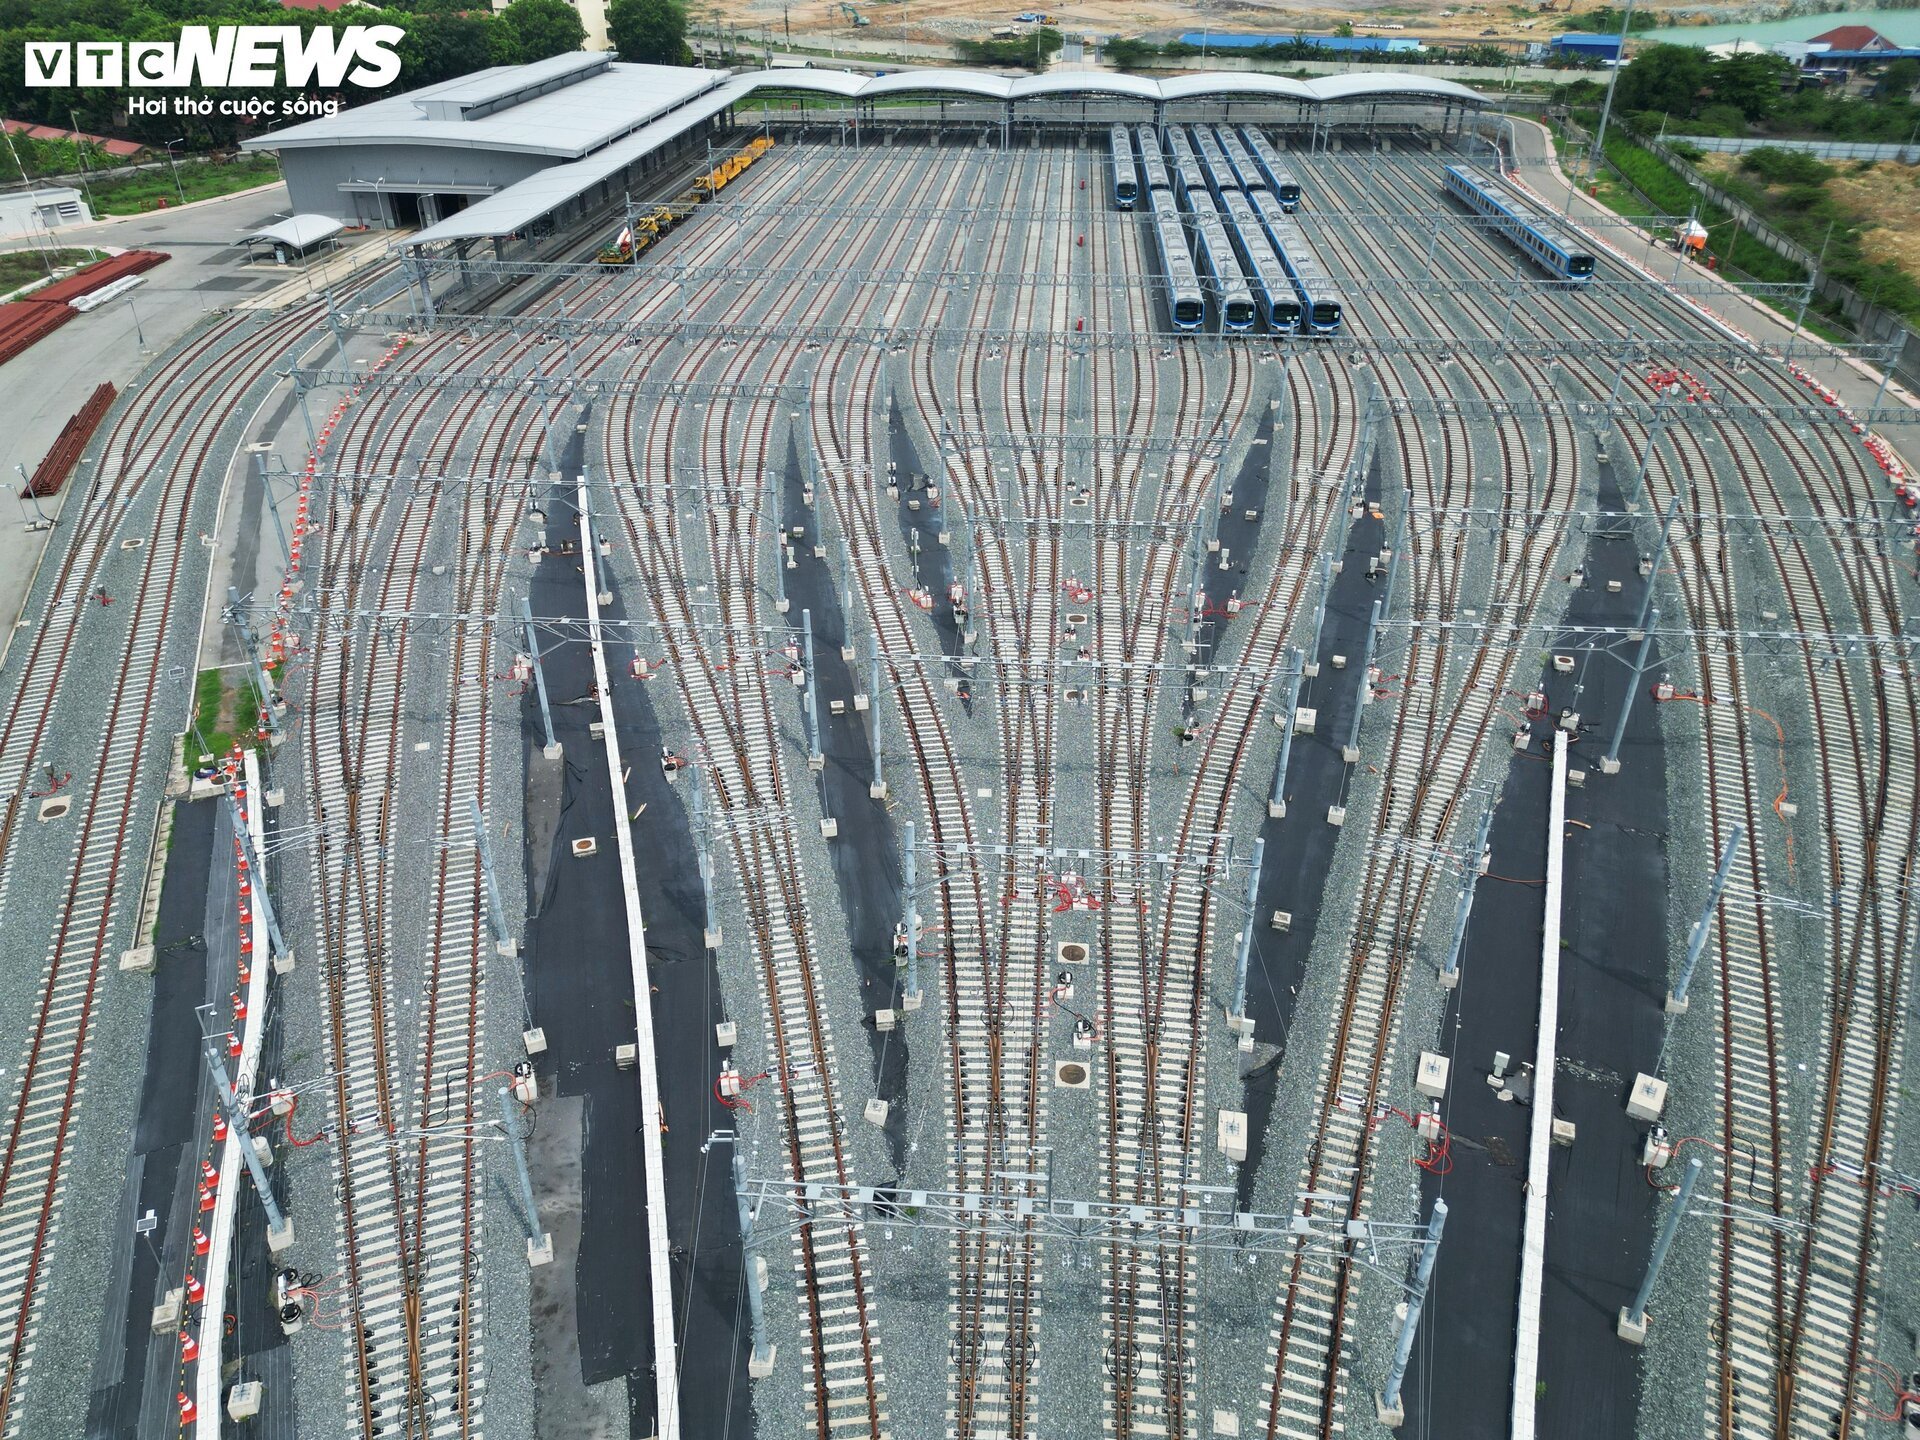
{"x":315,"y":4}
{"x":48,"y":132}
{"x":1854,"y":37}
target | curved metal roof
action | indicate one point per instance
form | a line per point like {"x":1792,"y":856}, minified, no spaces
{"x":981,"y":84}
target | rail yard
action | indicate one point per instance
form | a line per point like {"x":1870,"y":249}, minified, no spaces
{"x":1074,"y":729}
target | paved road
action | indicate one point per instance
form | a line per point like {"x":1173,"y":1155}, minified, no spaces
{"x":1541,"y":172}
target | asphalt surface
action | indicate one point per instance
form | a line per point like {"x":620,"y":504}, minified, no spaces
{"x":1613,"y":982}
{"x":164,"y":1136}
{"x":1299,"y":846}
{"x":579,"y":989}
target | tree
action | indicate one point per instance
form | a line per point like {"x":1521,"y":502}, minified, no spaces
{"x":1898,"y":79}
{"x":442,"y":47}
{"x":529,"y":30}
{"x":1667,"y":78}
{"x":649,"y":32}
{"x":1751,"y":82}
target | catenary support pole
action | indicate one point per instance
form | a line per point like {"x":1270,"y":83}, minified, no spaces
{"x":1659,"y":547}
{"x":273,"y":504}
{"x":1239,"y":1016}
{"x":262,"y":682}
{"x":1296,"y":669}
{"x":1610,"y":762}
{"x":760,"y":1365}
{"x":1633,"y":1320}
{"x":238,"y":1118}
{"x":909,"y":880}
{"x":503,"y":942}
{"x":527,"y":1212}
{"x":552,"y":748}
{"x":1697,"y":938}
{"x":1450,"y":971}
{"x":702,"y":839}
{"x":1365,"y":692}
{"x":815,"y":760}
{"x":1390,"y":1412}
{"x":263,"y":902}
{"x":877,"y":787}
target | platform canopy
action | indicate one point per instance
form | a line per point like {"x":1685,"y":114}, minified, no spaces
{"x":298,"y":232}
{"x":515,"y":207}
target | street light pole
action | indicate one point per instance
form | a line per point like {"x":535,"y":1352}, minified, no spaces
{"x":178,"y":188}
{"x":1606,"y":108}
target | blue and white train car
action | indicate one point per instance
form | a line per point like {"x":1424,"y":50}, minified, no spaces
{"x":1240,"y":160}
{"x":1181,"y":164}
{"x":1213,"y":161}
{"x":1126,"y":174}
{"x":1186,"y":302}
{"x":1153,"y":164}
{"x":1321,"y":304}
{"x":1219,"y":264}
{"x":1274,"y":298}
{"x":1554,"y":247}
{"x":1280,"y":180}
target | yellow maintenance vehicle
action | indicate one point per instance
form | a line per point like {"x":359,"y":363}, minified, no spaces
{"x":650,"y":225}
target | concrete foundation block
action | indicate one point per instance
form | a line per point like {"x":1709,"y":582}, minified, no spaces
{"x":166,"y":1315}
{"x":760,"y":1368}
{"x":1336,"y":815}
{"x":829,"y":828}
{"x":283,"y":963}
{"x":553,"y":751}
{"x":139,"y":961}
{"x":1391,"y":1416}
{"x":1677,"y":1005}
{"x":1633,"y":1334}
{"x":725,"y":1034}
{"x":245,"y":1399}
{"x":540,"y":1252}
{"x":625,"y":1057}
{"x":1647,"y":1099}
{"x":1276,"y":809}
{"x":1609,"y":767}
{"x":280,"y":1237}
{"x":535,"y":1041}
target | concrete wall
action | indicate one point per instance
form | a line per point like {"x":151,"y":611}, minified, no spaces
{"x":37,"y":212}
{"x":316,"y":173}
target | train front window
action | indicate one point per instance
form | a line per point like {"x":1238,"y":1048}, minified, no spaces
{"x":1326,"y":315}
{"x":1580,"y":265}
{"x":1289,"y":194}
{"x":1286,"y":317}
{"x":1239,"y":312}
{"x":1188,"y":312}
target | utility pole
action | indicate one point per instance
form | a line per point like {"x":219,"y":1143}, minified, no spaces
{"x":1388,"y":1406}
{"x":760,"y":1363}
{"x":1296,"y":669}
{"x":877,"y":787}
{"x":1450,"y":971}
{"x":1610,"y":762}
{"x":1632,"y":1326}
{"x":277,"y":952}
{"x":1697,"y":939}
{"x":503,"y":942}
{"x":1237,"y":1020}
{"x":262,"y":682}
{"x":1606,"y":108}
{"x":910,"y":922}
{"x":815,"y":760}
{"x":539,"y":1243}
{"x":552,"y":748}
{"x":1365,"y":696}
{"x":712,"y":933}
{"x":279,"y":1227}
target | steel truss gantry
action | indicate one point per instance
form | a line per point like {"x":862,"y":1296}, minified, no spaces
{"x":1025,"y":1207}
{"x":1640,"y":348}
{"x":1879,"y":520}
{"x":1597,"y":414}
{"x":570,"y":386}
{"x":1613,"y":639}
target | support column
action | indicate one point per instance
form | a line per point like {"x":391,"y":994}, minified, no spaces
{"x":1697,"y":939}
{"x":1450,"y":971}
{"x":877,"y":787}
{"x":1237,"y":1019}
{"x":760,"y":1363}
{"x":1365,"y":696}
{"x":1387,"y":1407}
{"x":277,"y":951}
{"x":539,"y":1243}
{"x":712,"y":936}
{"x":552,"y":748}
{"x":811,"y":705}
{"x":910,"y":919}
{"x":279,"y":1227}
{"x":262,"y":681}
{"x":1277,"y":801}
{"x":273,"y":504}
{"x":503,"y":942}
{"x":1632,"y":1326}
{"x":1610,"y":762}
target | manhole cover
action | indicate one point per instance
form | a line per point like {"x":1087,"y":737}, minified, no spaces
{"x":1070,"y":1074}
{"x":1073,"y":954}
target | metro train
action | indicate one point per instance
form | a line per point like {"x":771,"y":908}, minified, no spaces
{"x":1239,"y":160}
{"x":1279,"y":179}
{"x":1183,"y":166}
{"x":1554,"y":247}
{"x":1274,"y":298}
{"x":1125,"y":185}
{"x":1320,"y":302}
{"x":1153,"y":165}
{"x":1219,"y":263}
{"x":1185,"y":300}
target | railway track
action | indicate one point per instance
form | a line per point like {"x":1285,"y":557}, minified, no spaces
{"x":168,"y":430}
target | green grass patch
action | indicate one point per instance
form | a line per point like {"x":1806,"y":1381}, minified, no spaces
{"x":23,"y":267}
{"x":199,"y":180}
